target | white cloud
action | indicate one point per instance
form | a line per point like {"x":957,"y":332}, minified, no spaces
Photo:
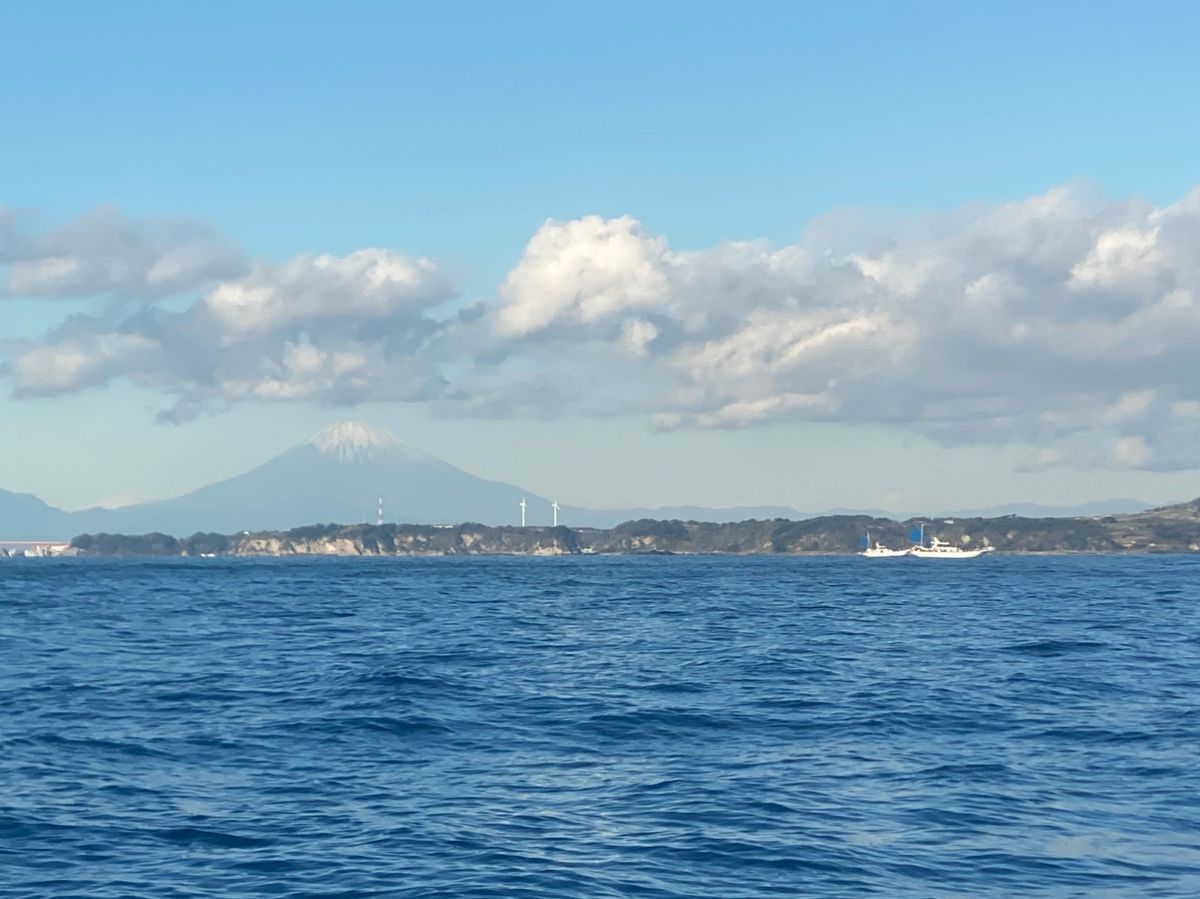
{"x":106,"y":252}
{"x":1041,"y":459}
{"x":362,"y":286}
{"x":1131,"y":452}
{"x":739,"y":413}
{"x":1130,"y":407}
{"x":1031,"y":321}
{"x":1065,"y":322}
{"x":584,"y":270}
{"x":318,"y":327}
{"x":637,"y":335}
{"x":1119,"y":255}
{"x":74,"y":364}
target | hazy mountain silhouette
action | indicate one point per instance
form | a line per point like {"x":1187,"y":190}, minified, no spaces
{"x":25,"y":517}
{"x":1037,"y":510}
{"x":339,"y":475}
{"x":607,"y":518}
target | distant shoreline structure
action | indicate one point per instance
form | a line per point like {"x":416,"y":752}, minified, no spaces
{"x":1171,"y":529}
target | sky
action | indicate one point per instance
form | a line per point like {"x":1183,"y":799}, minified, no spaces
{"x":913,"y":256}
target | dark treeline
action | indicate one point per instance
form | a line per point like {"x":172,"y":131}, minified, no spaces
{"x":1171,"y":529}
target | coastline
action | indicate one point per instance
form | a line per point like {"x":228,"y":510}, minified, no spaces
{"x":1171,"y":530}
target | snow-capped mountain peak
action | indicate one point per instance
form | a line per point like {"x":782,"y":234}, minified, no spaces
{"x":353,"y":441}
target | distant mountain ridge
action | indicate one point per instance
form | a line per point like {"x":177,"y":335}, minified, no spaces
{"x":25,"y":517}
{"x":339,"y":476}
{"x":607,"y":518}
{"x":1037,"y":510}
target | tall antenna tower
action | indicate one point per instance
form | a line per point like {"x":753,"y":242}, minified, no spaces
{"x":522,"y":511}
{"x":379,"y":514}
{"x":555,"y":507}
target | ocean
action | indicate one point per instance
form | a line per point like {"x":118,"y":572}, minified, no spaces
{"x":600,"y":727}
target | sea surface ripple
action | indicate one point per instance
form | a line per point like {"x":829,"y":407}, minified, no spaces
{"x":641,"y":727}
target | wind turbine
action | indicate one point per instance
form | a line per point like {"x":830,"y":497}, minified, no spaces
{"x":522,"y":511}
{"x":379,"y":515}
{"x":555,"y":506}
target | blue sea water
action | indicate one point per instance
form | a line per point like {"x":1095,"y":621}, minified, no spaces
{"x":643,"y":727}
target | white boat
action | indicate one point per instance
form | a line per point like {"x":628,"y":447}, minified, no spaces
{"x":940,"y":549}
{"x":877,"y":550}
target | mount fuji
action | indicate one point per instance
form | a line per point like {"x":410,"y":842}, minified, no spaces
{"x":337,"y":476}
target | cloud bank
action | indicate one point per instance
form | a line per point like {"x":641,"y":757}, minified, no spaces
{"x":1067,"y":322}
{"x":106,"y":253}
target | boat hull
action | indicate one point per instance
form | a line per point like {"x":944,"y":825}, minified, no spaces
{"x":921,"y":553}
{"x":884,"y":553}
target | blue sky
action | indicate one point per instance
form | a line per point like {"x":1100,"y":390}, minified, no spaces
{"x":455,"y":131}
